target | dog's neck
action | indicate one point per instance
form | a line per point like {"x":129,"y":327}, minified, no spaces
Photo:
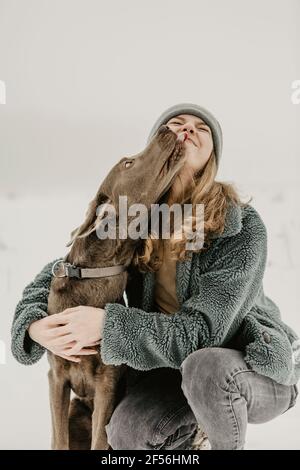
{"x":91,"y":252}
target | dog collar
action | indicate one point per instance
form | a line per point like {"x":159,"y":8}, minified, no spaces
{"x":63,"y":269}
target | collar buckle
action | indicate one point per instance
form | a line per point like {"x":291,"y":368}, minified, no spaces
{"x":72,"y":270}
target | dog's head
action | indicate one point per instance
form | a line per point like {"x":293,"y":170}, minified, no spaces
{"x":143,"y":178}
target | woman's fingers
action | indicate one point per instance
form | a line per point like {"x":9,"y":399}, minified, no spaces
{"x":86,"y":352}
{"x":62,"y":349}
{"x":62,"y":340}
{"x":59,"y":330}
{"x":94,"y":343}
{"x":81,"y":352}
{"x":74,"y":350}
{"x":69,"y":348}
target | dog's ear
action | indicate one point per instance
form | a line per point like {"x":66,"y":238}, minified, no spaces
{"x":92,"y":219}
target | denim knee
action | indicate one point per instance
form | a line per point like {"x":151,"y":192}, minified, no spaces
{"x":122,"y":433}
{"x":170,"y":431}
{"x":154,"y":414}
{"x":208,"y":386}
{"x":207,"y":368}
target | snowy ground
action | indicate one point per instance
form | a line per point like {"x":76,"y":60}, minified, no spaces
{"x":35,"y":229}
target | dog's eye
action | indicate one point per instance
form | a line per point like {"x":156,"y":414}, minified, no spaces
{"x":128,"y":163}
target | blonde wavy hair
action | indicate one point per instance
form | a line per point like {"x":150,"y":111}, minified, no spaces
{"x":204,"y":189}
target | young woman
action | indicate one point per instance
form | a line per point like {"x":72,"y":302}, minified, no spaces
{"x":203,"y":344}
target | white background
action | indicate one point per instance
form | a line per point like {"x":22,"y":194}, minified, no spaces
{"x":85,"y":81}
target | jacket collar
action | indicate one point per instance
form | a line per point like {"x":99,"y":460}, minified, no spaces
{"x":233,"y":222}
{"x":233,"y":225}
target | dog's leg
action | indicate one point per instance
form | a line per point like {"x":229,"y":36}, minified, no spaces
{"x":105,"y":401}
{"x":59,"y":404}
{"x":80,"y":425}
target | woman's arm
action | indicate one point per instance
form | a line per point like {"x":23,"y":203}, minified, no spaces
{"x":32,"y":307}
{"x":33,"y":330}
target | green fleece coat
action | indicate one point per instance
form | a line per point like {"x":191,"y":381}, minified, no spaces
{"x":222,"y":304}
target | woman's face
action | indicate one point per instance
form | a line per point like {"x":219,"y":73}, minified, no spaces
{"x":199,"y":145}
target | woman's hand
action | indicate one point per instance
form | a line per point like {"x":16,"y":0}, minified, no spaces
{"x":70,"y":333}
{"x":83,"y":324}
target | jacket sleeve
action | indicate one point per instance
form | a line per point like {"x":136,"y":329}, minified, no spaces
{"x":223,"y":295}
{"x":32,"y":306}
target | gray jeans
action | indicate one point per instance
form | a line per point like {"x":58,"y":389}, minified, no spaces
{"x":214,"y":387}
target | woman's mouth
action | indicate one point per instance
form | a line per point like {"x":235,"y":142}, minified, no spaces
{"x":189,"y":141}
{"x":183,"y":137}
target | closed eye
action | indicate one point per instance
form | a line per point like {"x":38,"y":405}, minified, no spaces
{"x":200,"y":128}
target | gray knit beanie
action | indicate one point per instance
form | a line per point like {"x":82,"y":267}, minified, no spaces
{"x":194,"y":109}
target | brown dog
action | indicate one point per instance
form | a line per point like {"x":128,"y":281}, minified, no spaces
{"x":143,"y":178}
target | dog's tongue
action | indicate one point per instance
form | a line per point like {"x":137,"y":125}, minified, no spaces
{"x":182,"y":136}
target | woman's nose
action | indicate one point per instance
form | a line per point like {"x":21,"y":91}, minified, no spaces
{"x":188,"y":128}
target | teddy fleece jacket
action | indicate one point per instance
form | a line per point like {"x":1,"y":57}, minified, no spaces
{"x":222,"y":304}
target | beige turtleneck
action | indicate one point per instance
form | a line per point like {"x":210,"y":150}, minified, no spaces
{"x":165,"y":297}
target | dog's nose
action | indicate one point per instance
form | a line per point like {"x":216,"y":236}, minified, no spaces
{"x":182,"y":136}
